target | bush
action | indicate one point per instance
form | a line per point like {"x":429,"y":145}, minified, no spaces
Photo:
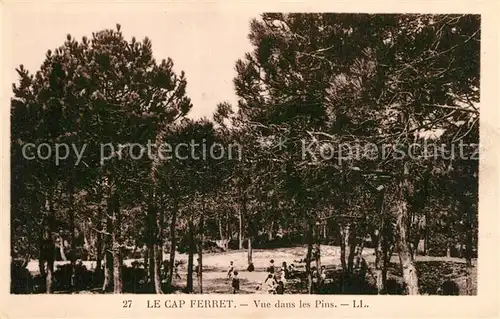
{"x":251,"y":267}
{"x":449,"y":288}
{"x":287,"y":240}
{"x":437,"y":245}
{"x":233,"y":244}
{"x":394,"y":287}
{"x":63,"y":274}
{"x":134,"y":279}
{"x":21,"y":281}
{"x":434,"y":274}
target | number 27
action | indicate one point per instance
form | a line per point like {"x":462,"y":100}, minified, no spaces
{"x":127,"y":303}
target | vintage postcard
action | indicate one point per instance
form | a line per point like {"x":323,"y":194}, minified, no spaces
{"x":212,"y":159}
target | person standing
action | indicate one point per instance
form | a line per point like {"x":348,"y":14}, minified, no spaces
{"x":270,"y":269}
{"x":283,"y":275}
{"x":230,"y":270}
{"x":280,"y":288}
{"x":322,"y":278}
{"x":284,"y":269}
{"x":270,"y":283}
{"x":235,"y":283}
{"x":291,"y":271}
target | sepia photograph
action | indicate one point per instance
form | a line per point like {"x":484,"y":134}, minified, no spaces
{"x":310,"y":153}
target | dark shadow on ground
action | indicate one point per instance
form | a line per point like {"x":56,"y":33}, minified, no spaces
{"x":435,"y":278}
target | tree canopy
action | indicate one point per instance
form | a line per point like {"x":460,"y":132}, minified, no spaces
{"x":331,"y":107}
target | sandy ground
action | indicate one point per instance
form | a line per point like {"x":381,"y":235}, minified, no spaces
{"x":214,"y":262}
{"x":215,"y":265}
{"x":220,"y":261}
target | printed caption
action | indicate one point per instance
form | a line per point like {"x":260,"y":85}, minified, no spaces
{"x":228,"y":303}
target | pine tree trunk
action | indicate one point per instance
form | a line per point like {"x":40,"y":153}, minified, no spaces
{"x":359,"y":253}
{"x":108,"y":254}
{"x":41,"y":258}
{"x":155,"y":244}
{"x":61,"y":249}
{"x":379,"y":261}
{"x":386,"y":255}
{"x":309,"y":239}
{"x":150,"y":233}
{"x":200,"y":253}
{"x":151,"y":266}
{"x":249,"y":251}
{"x":468,"y":265}
{"x":250,"y":232}
{"x":117,"y":269}
{"x":352,"y":241}
{"x":49,"y":245}
{"x":99,"y":243}
{"x":221,"y":233}
{"x":240,"y":230}
{"x":243,"y":212}
{"x":134,"y":251}
{"x":41,"y":233}
{"x":468,"y":246}
{"x":146,"y":260}
{"x":173,"y":244}
{"x":270,"y":231}
{"x":427,"y":230}
{"x":161,"y":242}
{"x":344,"y":239}
{"x":50,"y":275}
{"x":229,"y":233}
{"x":155,"y":238}
{"x":192,"y":249}
{"x":117,"y":247}
{"x":157,"y":268}
{"x":405,"y":257}
{"x":379,"y":236}
{"x":73,"y":235}
{"x":409,"y":233}
{"x":86,"y":242}
{"x":317,"y":249}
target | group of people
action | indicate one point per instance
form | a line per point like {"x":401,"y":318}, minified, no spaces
{"x":232,"y":275}
{"x":319,"y":277}
{"x":274,"y":281}
{"x":276,"y":277}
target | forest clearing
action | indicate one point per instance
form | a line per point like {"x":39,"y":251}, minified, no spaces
{"x":216,"y":282}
